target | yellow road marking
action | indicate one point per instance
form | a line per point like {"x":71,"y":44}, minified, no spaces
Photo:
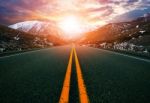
{"x":64,"y":98}
{"x":82,"y":89}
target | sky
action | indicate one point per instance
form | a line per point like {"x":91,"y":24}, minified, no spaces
{"x":91,"y":12}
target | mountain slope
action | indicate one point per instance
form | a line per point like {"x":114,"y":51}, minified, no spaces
{"x":116,"y":31}
{"x":12,"y":40}
{"x":38,"y":28}
{"x":123,"y":35}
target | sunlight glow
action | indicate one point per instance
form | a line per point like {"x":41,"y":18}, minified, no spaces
{"x":71,"y":26}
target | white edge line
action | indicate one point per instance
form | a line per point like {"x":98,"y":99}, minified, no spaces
{"x":26,"y":52}
{"x":133,"y":57}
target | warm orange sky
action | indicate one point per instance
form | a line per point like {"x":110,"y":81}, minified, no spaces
{"x":91,"y":12}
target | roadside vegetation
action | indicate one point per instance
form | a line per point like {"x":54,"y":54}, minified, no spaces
{"x":13,"y":41}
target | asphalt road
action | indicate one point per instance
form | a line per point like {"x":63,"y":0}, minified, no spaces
{"x":109,"y":77}
{"x":33,"y":77}
{"x":114,"y":78}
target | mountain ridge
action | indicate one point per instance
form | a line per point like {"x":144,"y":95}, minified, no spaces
{"x":38,"y":27}
{"x":15,"y":40}
{"x":133,"y":35}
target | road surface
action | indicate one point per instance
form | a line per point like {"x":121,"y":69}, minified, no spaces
{"x":74,"y":74}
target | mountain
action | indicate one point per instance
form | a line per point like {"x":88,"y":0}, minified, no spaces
{"x":38,"y":28}
{"x":14,"y":40}
{"x":119,"y":31}
{"x":136,"y":32}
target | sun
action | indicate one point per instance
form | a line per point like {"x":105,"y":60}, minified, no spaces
{"x":71,"y":25}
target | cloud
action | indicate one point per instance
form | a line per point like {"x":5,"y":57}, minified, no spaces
{"x":94,"y":12}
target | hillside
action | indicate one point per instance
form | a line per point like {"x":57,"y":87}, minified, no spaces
{"x":38,"y":28}
{"x":124,"y":35}
{"x":14,"y":40}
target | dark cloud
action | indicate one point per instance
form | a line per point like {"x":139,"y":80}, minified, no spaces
{"x":132,"y":15}
{"x":12,"y":11}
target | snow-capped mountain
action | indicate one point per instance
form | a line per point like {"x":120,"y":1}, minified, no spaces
{"x":38,"y":27}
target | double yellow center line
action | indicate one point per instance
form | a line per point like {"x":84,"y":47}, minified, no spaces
{"x":64,"y":98}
